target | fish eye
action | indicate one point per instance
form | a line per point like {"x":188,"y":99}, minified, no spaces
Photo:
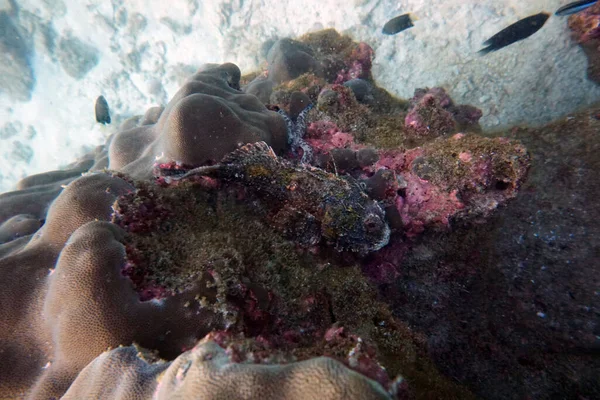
{"x":372,"y":223}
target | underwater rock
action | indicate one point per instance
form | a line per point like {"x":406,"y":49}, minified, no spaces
{"x":432,"y":113}
{"x":516,"y":296}
{"x":340,"y":57}
{"x":460,"y":178}
{"x":78,"y":253}
{"x":289,"y":59}
{"x":361,"y":89}
{"x":308,"y":64}
{"x":428,"y":119}
{"x":337,"y":104}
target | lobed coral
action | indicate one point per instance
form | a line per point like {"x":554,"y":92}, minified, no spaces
{"x":209,"y":106}
{"x":255,"y":269}
{"x":208,"y":368}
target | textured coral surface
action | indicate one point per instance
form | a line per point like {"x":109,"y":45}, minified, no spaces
{"x":207,"y":368}
{"x":244,"y":278}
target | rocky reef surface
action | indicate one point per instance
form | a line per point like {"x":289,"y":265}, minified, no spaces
{"x":299,"y":231}
{"x":585,"y":28}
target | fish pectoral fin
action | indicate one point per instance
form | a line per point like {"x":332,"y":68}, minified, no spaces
{"x":248,"y":151}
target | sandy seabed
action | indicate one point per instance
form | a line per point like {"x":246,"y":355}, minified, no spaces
{"x":144,"y":51}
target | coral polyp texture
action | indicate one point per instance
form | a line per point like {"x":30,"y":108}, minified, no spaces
{"x":209,"y":369}
{"x":254,"y":238}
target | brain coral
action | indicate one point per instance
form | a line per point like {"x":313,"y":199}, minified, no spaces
{"x":207,"y":368}
{"x":69,"y":273}
{"x":206,"y":119}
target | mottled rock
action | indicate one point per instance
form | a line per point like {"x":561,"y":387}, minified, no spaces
{"x":288,"y":59}
{"x":360,"y":87}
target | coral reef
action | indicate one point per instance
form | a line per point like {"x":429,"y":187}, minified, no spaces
{"x":585,"y":26}
{"x":198,"y":253}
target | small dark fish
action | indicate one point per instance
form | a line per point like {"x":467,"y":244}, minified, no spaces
{"x":306,"y":203}
{"x":575,"y":7}
{"x":397,"y":24}
{"x":102,"y":113}
{"x":518,"y":31}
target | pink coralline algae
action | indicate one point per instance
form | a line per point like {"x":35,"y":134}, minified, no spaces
{"x":324,"y":137}
{"x":585,"y":25}
{"x":428,"y":118}
{"x":445,"y":179}
{"x":432,"y":113}
{"x":464,"y":177}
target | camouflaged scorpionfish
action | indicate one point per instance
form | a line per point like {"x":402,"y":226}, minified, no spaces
{"x":308,"y":203}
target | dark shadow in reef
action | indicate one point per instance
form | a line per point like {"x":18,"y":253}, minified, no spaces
{"x":511,"y":308}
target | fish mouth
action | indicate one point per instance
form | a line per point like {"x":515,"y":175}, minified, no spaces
{"x":384,"y":240}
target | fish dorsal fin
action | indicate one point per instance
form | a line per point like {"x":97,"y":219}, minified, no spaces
{"x":248,"y":151}
{"x":206,"y":170}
